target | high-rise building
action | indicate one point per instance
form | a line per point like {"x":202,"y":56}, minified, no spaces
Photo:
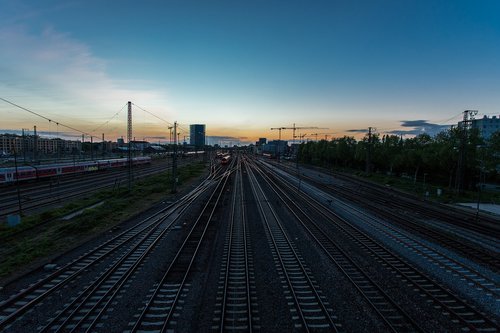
{"x":261,"y":142}
{"x":197,"y":135}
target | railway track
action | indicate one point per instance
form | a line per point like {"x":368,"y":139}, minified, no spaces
{"x":428,"y":208}
{"x":158,"y":313}
{"x":236,"y":308}
{"x":35,"y":198}
{"x":308,"y":306}
{"x":118,"y":258}
{"x":450,"y":238}
{"x":468,"y":316}
{"x":395,"y":318}
{"x":404,"y":201}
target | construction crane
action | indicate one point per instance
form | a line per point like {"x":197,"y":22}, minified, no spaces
{"x":325,"y":134}
{"x":294,"y":128}
{"x":279,"y":129}
{"x":276,"y":153}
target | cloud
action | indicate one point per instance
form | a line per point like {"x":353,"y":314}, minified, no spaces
{"x":419,"y":127}
{"x":361,"y":130}
{"x":416,"y":123}
{"x":61,"y":75}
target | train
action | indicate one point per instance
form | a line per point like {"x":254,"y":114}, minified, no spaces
{"x":8,"y":175}
{"x":225,"y":159}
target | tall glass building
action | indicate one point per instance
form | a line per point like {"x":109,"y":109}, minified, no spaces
{"x":197,"y":135}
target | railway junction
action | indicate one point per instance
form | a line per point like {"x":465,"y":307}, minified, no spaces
{"x":260,"y":246}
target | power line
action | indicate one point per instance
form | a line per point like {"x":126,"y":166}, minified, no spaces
{"x":107,"y":122}
{"x":169,"y":123}
{"x":184,"y":129}
{"x":43,"y":117}
{"x":447,"y":120}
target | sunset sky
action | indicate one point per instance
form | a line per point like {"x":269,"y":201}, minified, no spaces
{"x":242,"y":67}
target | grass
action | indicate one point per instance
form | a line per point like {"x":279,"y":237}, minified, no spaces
{"x":41,"y":239}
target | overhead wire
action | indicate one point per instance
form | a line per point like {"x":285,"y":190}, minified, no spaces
{"x":46,"y":118}
{"x":179,"y":126}
{"x":152,"y":114}
{"x":113,"y":117}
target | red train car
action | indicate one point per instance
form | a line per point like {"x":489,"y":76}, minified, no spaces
{"x":9,"y":175}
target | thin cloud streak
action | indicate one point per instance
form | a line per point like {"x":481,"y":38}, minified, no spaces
{"x":361,"y":130}
{"x":55,"y":70}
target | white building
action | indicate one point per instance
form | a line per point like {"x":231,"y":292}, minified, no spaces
{"x":487,"y":126}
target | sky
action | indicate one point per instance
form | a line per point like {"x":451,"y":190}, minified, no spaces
{"x":243,"y":67}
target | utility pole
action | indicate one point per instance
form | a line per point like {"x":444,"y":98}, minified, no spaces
{"x":294,"y":128}
{"x":129,"y":139}
{"x":103,"y":145}
{"x":462,"y":149}
{"x":174,"y":162}
{"x":170,"y":138}
{"x":81,"y":148}
{"x":24,"y":148}
{"x":91,"y":148}
{"x":17,"y":183}
{"x":35,"y":145}
{"x":369,"y":151}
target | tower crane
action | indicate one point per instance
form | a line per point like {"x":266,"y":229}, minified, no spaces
{"x":325,"y":134}
{"x":279,"y":142}
{"x":294,"y":128}
{"x":279,"y":129}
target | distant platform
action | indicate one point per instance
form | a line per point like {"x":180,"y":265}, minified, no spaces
{"x":491,"y":208}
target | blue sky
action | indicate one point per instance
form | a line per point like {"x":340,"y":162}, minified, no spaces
{"x":242,"y":67}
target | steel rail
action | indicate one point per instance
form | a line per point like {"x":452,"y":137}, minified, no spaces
{"x":372,"y":292}
{"x":461,"y":245}
{"x":196,"y":236}
{"x":472,"y":275}
{"x":68,"y":190}
{"x":110,"y":291}
{"x":21,"y":302}
{"x":256,"y":188}
{"x":237,"y":229}
{"x":435,"y":291}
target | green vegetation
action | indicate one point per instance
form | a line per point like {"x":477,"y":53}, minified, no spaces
{"x":418,"y":164}
{"x":46,"y":234}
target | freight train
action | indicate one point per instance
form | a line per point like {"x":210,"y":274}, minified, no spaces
{"x":8,"y":175}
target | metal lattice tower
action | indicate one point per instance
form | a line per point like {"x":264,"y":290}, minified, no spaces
{"x":464,"y":127}
{"x":129,"y":139}
{"x":129,"y":123}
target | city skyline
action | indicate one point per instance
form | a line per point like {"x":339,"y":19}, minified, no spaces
{"x":242,"y":68}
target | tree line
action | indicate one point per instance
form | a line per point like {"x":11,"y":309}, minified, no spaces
{"x":454,"y":158}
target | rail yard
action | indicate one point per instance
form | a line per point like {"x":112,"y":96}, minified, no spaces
{"x":263,"y":246}
{"x":35,"y":196}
